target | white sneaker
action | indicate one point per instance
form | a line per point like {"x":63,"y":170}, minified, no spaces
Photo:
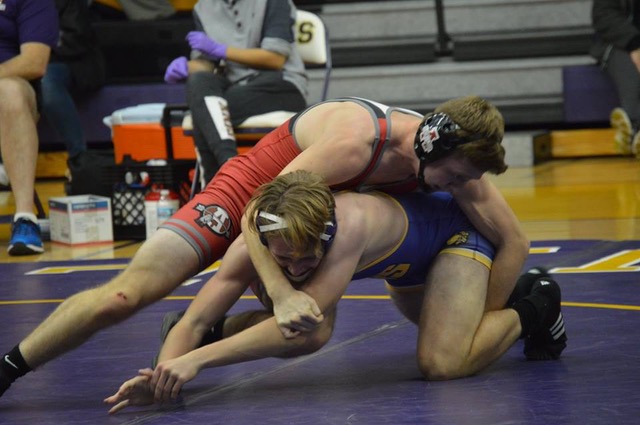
{"x":4,"y":178}
{"x":621,"y":123}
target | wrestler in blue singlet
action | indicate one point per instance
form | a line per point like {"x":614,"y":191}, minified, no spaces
{"x":436,"y":225}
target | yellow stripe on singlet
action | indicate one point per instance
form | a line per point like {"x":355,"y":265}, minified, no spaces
{"x":469,"y":253}
{"x":397,"y":245}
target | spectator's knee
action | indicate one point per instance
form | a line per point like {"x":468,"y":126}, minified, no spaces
{"x":17,"y":96}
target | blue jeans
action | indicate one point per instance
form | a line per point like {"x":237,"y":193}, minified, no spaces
{"x":59,"y":109}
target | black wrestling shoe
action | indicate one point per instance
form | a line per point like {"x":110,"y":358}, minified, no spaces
{"x":549,"y":338}
{"x":525,"y":284}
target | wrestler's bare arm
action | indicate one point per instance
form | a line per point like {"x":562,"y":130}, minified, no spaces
{"x":336,"y":141}
{"x":492,"y":216}
{"x":215,"y":298}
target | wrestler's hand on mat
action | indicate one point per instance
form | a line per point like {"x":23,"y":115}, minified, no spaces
{"x":134,"y":392}
{"x":168,"y":378}
{"x":298,"y":312}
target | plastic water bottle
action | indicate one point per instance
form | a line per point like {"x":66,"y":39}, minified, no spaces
{"x":151,"y":211}
{"x":159,"y":206}
{"x":168,"y":205}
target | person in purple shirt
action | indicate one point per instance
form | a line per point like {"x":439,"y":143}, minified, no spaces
{"x":28,"y":32}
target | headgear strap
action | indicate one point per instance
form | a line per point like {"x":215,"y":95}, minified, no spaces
{"x":279,"y":223}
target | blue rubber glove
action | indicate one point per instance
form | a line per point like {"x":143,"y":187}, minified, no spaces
{"x":199,"y":41}
{"x":177,"y":70}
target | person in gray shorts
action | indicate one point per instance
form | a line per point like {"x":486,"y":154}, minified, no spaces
{"x":243,"y":63}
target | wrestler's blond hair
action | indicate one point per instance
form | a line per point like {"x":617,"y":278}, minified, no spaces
{"x":476,"y":115}
{"x":301,"y":199}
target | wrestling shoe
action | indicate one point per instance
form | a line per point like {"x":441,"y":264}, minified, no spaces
{"x":525,"y":283}
{"x":549,"y":337}
{"x":25,"y":238}
{"x":169,"y":321}
{"x":621,"y":123}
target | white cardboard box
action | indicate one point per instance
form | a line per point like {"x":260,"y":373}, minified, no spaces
{"x":81,"y":219}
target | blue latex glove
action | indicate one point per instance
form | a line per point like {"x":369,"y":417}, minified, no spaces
{"x":199,"y":41}
{"x":177,"y":70}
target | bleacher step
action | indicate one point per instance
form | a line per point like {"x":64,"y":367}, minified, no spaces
{"x":582,"y":143}
{"x":524,"y":149}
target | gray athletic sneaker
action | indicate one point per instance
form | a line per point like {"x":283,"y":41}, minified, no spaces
{"x":168,"y":322}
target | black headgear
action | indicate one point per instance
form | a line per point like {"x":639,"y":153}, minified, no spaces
{"x":436,"y":137}
{"x":326,"y":237}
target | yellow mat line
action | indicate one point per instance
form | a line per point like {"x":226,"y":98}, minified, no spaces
{"x":345,"y":297}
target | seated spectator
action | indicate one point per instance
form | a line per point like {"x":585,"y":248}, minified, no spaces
{"x":76,"y":65}
{"x":29,"y":30}
{"x":243,"y":62}
{"x":617,"y":48}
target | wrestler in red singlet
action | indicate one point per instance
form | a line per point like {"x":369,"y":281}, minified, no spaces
{"x":211,"y":220}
